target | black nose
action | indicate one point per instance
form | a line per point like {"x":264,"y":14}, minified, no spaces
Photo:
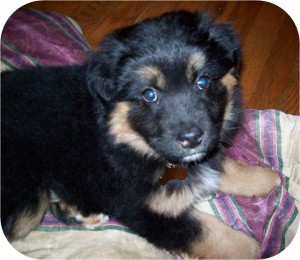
{"x":190,"y":138}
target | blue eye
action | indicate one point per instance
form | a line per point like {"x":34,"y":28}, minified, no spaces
{"x":203,"y":82}
{"x":150,"y":95}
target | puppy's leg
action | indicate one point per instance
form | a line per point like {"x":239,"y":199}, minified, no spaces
{"x":196,"y":233}
{"x":24,"y":218}
{"x":219,"y":241}
{"x":70,"y":215}
{"x":242,"y":179}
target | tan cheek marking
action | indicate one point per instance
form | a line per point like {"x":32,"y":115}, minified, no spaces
{"x":152,"y":73}
{"x":229,"y":81}
{"x":220,"y":241}
{"x":120,"y":129}
{"x":195,"y":62}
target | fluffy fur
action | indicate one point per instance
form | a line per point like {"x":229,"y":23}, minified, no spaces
{"x":100,"y":135}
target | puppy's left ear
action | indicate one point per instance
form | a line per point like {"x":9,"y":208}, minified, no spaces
{"x":99,"y":79}
{"x":228,"y":39}
{"x":102,"y":73}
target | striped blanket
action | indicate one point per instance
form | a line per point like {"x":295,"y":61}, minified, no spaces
{"x":267,"y":138}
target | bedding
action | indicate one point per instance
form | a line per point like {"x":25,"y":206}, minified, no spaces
{"x":267,"y":138}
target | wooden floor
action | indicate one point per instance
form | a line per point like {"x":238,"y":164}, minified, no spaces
{"x":270,"y":68}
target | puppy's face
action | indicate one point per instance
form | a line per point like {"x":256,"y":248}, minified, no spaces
{"x":173,"y":84}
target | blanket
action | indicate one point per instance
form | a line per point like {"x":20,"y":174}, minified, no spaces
{"x":267,"y":138}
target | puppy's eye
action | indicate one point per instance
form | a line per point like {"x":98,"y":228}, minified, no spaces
{"x":203,"y":82}
{"x":150,"y":95}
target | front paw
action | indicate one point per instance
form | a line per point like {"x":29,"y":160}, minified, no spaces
{"x":246,"y":180}
{"x":92,"y":221}
{"x":267,"y":180}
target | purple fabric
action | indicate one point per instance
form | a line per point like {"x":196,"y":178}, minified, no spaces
{"x":46,"y":37}
{"x":264,"y":218}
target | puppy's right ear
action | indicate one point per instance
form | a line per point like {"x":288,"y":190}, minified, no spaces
{"x":103,"y":68}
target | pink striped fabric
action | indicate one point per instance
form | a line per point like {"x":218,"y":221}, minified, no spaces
{"x":265,"y":218}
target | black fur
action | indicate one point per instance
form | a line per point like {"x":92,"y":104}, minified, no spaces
{"x":56,"y":126}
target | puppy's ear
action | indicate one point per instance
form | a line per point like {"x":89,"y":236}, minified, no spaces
{"x":102,"y":74}
{"x":222,"y":34}
{"x":99,"y":79}
{"x":226,"y":37}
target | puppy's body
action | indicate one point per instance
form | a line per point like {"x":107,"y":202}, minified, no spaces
{"x":100,"y":135}
{"x":63,"y":145}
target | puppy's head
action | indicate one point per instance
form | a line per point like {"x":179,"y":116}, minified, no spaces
{"x":172,"y":84}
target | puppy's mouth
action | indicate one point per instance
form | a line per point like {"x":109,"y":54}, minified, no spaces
{"x":187,"y":159}
{"x":172,"y":152}
{"x":193,"y":157}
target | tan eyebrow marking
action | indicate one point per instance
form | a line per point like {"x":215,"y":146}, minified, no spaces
{"x":153,"y":73}
{"x":195,"y":62}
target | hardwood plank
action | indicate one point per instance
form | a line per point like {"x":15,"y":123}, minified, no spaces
{"x":290,"y":99}
{"x":243,"y":16}
{"x":93,"y":14}
{"x":88,"y":14}
{"x":274,"y":78}
{"x":129,"y":15}
{"x":257,"y":46}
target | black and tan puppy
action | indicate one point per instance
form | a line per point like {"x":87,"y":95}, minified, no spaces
{"x":101,"y":136}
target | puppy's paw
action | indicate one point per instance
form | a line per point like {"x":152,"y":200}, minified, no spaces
{"x":267,"y":180}
{"x":92,"y":221}
{"x":242,"y":179}
{"x":70,"y":215}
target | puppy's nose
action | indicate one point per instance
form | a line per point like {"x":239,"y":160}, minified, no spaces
{"x":190,"y":138}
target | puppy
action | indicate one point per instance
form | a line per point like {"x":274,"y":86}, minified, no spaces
{"x":159,"y":96}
